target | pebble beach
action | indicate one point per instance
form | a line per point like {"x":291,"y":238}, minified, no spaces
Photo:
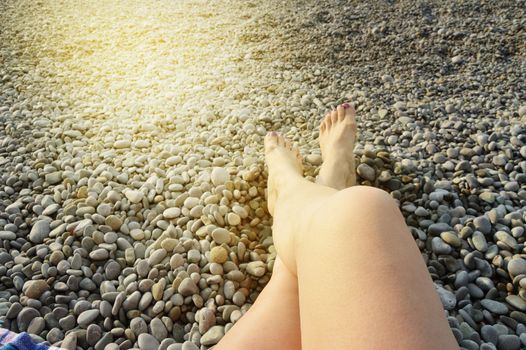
{"x":133,"y":208}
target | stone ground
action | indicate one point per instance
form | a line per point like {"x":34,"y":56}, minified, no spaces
{"x":132,"y":197}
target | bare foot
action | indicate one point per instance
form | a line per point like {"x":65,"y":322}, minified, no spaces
{"x":337,"y":137}
{"x":283,"y":161}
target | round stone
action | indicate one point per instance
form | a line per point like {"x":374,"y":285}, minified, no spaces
{"x":39,"y":231}
{"x":187,"y":287}
{"x":219,"y":176}
{"x":233,"y":219}
{"x":134,"y":196}
{"x":256,"y":268}
{"x":171,"y":213}
{"x":366,"y":172}
{"x":148,"y":342}
{"x":34,"y":289}
{"x":218,"y":255}
{"x":517,"y":266}
{"x":221,"y":235}
{"x":494,"y":306}
{"x":87,"y":317}
{"x":213,"y":335}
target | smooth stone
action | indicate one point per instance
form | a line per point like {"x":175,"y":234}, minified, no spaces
{"x":256,"y":268}
{"x":494,"y":306}
{"x":158,"y":329}
{"x":25,"y":317}
{"x":221,"y":235}
{"x":187,"y":287}
{"x":157,"y":256}
{"x":148,"y":342}
{"x":134,"y":196}
{"x":7,"y":235}
{"x":509,"y":342}
{"x":99,"y":254}
{"x":213,"y":335}
{"x":87,"y":317}
{"x":233,"y":219}
{"x":517,"y":266}
{"x":479,"y":241}
{"x":449,"y":300}
{"x":171,"y":213}
{"x":218,"y":255}
{"x":138,"y":326}
{"x":34,"y":289}
{"x":39,"y":231}
{"x":482,"y":224}
{"x":516,"y":301}
{"x":188,"y":345}
{"x":489,"y":334}
{"x":366,"y":172}
{"x":439,"y":246}
{"x":219,"y":176}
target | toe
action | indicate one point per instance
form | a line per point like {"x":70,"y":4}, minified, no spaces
{"x":322,"y":126}
{"x":327,"y":120}
{"x":271,"y":140}
{"x":334,"y":116}
{"x":281,"y":140}
{"x":340,"y":110}
{"x":287,"y":144}
{"x":350,"y":115}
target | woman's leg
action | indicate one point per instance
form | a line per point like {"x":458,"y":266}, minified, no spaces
{"x":362,"y":281}
{"x":273,"y":322}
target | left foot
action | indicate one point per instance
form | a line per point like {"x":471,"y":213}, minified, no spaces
{"x":337,"y":137}
{"x":284,"y":163}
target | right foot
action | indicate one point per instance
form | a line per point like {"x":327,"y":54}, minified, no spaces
{"x":337,"y":137}
{"x":284,"y":162}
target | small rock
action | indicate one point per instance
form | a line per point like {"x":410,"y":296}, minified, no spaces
{"x":39,"y":231}
{"x":218,"y":255}
{"x":219,"y":176}
{"x":366,"y":172}
{"x":148,"y":342}
{"x":34,"y":289}
{"x":213,"y":335}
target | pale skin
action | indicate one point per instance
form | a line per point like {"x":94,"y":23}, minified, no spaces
{"x":348,"y":273}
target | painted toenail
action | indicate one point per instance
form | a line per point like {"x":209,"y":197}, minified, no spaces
{"x":346,"y":105}
{"x":273,"y":133}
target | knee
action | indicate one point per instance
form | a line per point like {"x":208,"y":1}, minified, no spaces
{"x":365,"y":197}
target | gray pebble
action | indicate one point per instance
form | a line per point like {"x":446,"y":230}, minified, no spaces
{"x":147,"y":342}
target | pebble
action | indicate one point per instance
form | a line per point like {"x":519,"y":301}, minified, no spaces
{"x":147,"y":342}
{"x":509,"y":342}
{"x":517,"y":266}
{"x":87,"y":317}
{"x":187,"y":287}
{"x":256,"y":268}
{"x":366,"y":172}
{"x":219,"y":176}
{"x":213,"y":335}
{"x":221,"y":235}
{"x":39,"y":231}
{"x":34,"y":289}
{"x":494,"y":306}
{"x":134,"y":196}
{"x":218,"y":255}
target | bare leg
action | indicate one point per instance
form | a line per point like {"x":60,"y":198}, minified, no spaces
{"x":273,"y":322}
{"x":362,"y":281}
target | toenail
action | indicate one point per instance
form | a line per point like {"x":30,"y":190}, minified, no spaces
{"x":346,"y":105}
{"x":273,"y":133}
